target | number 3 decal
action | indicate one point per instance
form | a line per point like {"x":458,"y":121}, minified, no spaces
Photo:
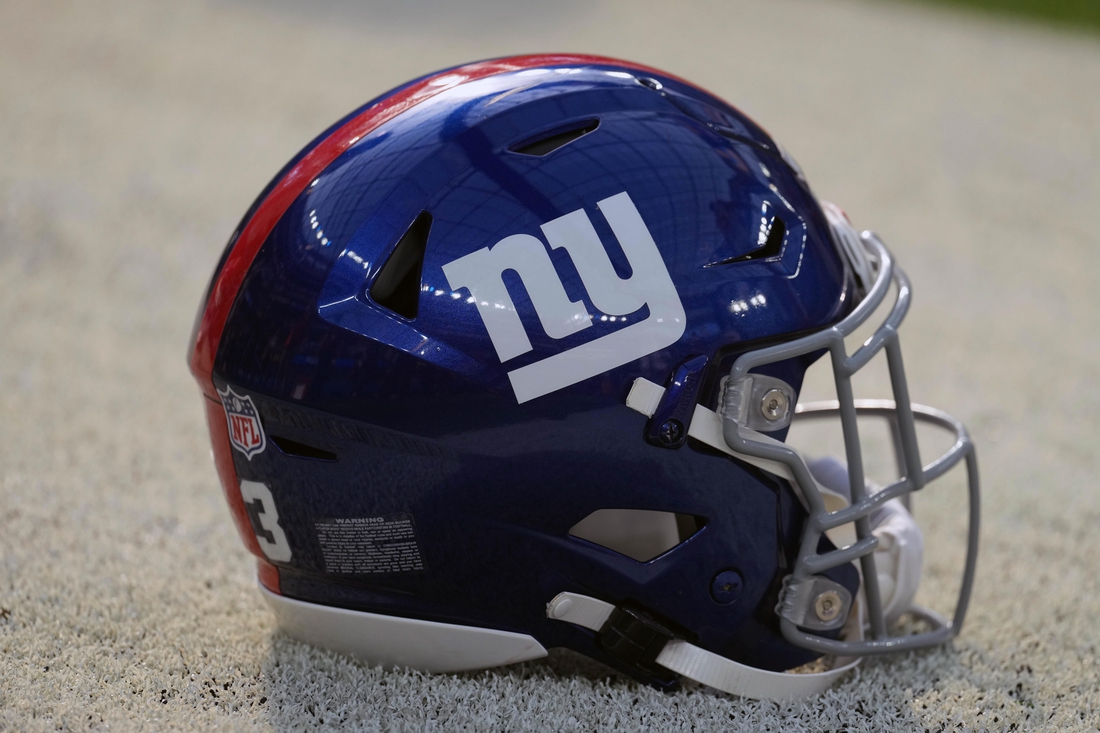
{"x":277,"y":548}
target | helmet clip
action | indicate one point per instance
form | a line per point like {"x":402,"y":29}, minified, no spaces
{"x":816,"y":603}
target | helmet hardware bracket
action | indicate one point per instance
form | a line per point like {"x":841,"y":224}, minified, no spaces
{"x":815,"y":603}
{"x":668,"y":427}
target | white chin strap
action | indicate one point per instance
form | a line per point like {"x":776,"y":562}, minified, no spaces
{"x":899,"y":555}
{"x":698,"y":664}
{"x":898,"y":560}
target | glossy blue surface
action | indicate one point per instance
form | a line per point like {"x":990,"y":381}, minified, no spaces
{"x":421,"y":414}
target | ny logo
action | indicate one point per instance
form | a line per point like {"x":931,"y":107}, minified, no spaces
{"x":648,"y":285}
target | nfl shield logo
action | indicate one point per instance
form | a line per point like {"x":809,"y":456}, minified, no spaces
{"x":245,"y":431}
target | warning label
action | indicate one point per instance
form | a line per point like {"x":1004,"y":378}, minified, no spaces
{"x":369,"y":545}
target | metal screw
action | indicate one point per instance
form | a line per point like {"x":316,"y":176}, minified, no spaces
{"x":726,"y":586}
{"x":774,"y":405}
{"x":827,"y":605}
{"x":671,"y":432}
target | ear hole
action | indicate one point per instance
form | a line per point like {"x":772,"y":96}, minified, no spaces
{"x":640,"y":534}
{"x":397,"y":286}
{"x":301,"y":450}
{"x":551,"y":141}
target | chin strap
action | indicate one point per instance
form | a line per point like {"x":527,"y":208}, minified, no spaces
{"x":900,"y":551}
{"x":691,"y":661}
{"x":639,"y":639}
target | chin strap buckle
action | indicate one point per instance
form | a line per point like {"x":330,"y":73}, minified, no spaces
{"x":633,"y":636}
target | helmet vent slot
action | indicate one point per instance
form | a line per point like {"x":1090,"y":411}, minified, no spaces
{"x":773,"y":245}
{"x":301,"y":450}
{"x":547,"y":143}
{"x":774,"y":235}
{"x":397,"y":286}
{"x":640,"y":534}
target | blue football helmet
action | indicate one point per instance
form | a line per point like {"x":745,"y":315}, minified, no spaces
{"x":505,"y":360}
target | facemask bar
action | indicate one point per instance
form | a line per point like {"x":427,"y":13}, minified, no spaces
{"x":903,"y":415}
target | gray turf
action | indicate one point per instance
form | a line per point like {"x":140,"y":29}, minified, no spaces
{"x":133,"y":137}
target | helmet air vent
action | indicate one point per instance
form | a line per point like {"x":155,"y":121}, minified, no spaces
{"x":773,"y":234}
{"x":301,"y":450}
{"x":551,"y":140}
{"x":397,"y":286}
{"x":640,"y":534}
{"x":773,"y":245}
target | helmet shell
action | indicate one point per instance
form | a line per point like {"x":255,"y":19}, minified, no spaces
{"x":418,"y":418}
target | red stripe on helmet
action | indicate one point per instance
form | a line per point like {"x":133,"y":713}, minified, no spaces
{"x":224,"y":291}
{"x":268,"y":575}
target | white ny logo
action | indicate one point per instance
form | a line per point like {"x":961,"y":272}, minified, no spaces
{"x":649,"y":284}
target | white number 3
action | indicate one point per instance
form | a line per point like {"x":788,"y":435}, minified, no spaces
{"x":276,"y":548}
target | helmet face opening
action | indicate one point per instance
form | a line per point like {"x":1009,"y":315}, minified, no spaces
{"x":481,"y":344}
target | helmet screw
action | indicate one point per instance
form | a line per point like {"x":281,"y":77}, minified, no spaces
{"x":726,"y":587}
{"x":827,"y":605}
{"x":774,"y":405}
{"x":671,"y":432}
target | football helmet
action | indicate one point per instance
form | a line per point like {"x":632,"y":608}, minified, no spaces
{"x":506,"y":359}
